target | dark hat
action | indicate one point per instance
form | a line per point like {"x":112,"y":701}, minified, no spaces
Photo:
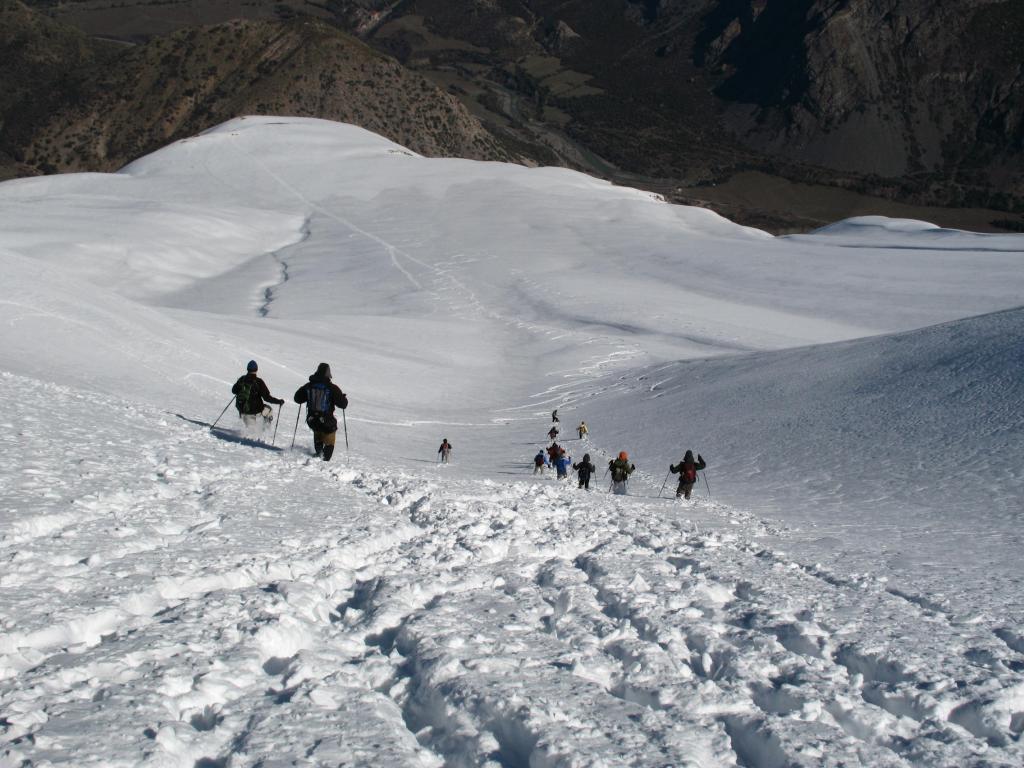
{"x":323,"y":370}
{"x":252,"y":366}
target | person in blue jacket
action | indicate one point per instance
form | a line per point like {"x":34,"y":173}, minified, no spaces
{"x":562,"y":465}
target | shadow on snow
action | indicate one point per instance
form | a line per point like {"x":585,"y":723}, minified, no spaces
{"x":232,"y":436}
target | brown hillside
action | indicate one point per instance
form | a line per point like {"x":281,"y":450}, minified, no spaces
{"x":176,"y":86}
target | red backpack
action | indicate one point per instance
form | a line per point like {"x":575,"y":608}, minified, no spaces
{"x":689,"y":473}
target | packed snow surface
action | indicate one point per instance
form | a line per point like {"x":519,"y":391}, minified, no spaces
{"x":844,"y":587}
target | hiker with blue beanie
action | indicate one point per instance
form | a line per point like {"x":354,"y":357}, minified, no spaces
{"x":250,"y":392}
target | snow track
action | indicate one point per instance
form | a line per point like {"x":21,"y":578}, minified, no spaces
{"x":206,"y":603}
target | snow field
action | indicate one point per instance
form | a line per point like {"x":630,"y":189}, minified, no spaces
{"x":175,"y":597}
{"x":257,"y":606}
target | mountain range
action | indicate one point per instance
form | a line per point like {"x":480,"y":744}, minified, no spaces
{"x":785,"y":115}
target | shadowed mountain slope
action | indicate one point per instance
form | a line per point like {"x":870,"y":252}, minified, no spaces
{"x":101,"y":107}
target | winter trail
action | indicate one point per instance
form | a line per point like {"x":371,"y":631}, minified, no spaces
{"x":426,"y":617}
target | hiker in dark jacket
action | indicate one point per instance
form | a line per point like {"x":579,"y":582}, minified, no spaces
{"x":687,"y":470}
{"x":321,"y":396}
{"x":584,"y":470}
{"x":621,"y":469}
{"x":539,"y":462}
{"x":250,"y":391}
{"x":445,"y":450}
{"x":554,"y":416}
{"x":554,"y":451}
{"x":553,"y":433}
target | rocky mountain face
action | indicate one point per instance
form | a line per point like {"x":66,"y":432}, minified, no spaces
{"x":894,"y":88}
{"x":41,"y":69}
{"x":71,"y":103}
{"x":918,"y":98}
{"x":920,"y":101}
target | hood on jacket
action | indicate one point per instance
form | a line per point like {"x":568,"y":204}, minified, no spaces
{"x":323,"y":373}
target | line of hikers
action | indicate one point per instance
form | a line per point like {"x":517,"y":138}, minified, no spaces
{"x":620,"y":469}
{"x":581,"y":431}
{"x":320,"y":395}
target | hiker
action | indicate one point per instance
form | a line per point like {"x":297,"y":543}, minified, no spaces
{"x":250,"y":391}
{"x":321,"y":397}
{"x":562,"y":465}
{"x":554,"y":416}
{"x":687,"y":470}
{"x":553,"y":433}
{"x":554,"y":451}
{"x":539,"y":462}
{"x":621,"y":469}
{"x":585,"y":469}
{"x":445,"y":450}
{"x":582,"y":430}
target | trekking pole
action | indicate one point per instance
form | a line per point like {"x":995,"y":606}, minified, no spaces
{"x":296,"y":430}
{"x":705,"y":474}
{"x":664,"y":484}
{"x":222,"y":413}
{"x":273,"y":440}
{"x":344,"y":421}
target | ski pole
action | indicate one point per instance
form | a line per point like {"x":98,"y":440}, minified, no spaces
{"x":296,"y":430}
{"x":222,"y":413}
{"x":273,"y":440}
{"x":344,"y":421}
{"x":664,"y":484}
{"x":705,"y":475}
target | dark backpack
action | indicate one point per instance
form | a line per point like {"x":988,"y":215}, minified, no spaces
{"x":688,"y":474}
{"x":318,"y":408}
{"x":247,"y":392}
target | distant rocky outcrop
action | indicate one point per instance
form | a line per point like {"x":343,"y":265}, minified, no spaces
{"x":890,"y":88}
{"x":96,"y":106}
{"x":911,"y":98}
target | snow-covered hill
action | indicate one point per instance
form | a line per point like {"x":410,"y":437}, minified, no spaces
{"x":172,"y":596}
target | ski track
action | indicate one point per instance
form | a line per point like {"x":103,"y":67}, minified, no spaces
{"x":442,"y":283}
{"x":201,"y":603}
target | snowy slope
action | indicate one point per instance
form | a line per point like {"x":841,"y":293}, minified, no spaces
{"x":900,"y":451}
{"x":176,"y":596}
